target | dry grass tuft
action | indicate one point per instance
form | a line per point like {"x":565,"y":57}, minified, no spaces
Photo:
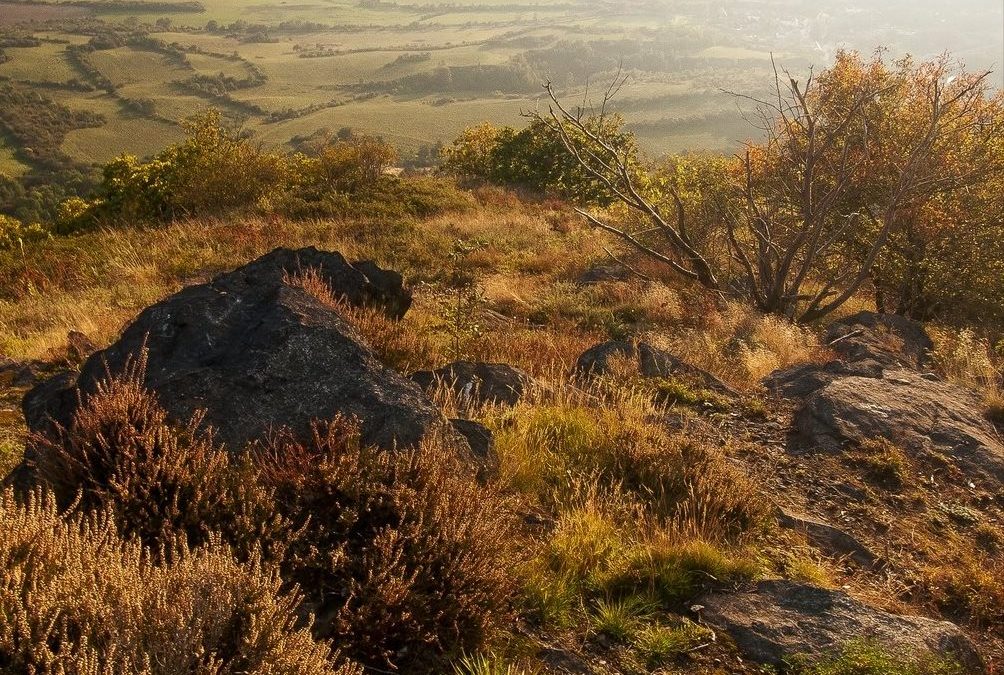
{"x":78,"y":599}
{"x":549,"y":445}
{"x":968,"y":359}
{"x":740,"y":345}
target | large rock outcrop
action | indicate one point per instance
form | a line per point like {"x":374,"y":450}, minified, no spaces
{"x":877,"y":391}
{"x":778,"y":620}
{"x":915,"y":413}
{"x":257,"y":354}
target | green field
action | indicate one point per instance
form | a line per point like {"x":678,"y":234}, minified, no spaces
{"x":417,"y":72}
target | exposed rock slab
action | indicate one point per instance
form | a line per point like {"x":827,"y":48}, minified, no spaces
{"x":829,"y":539}
{"x":258,"y":354}
{"x":779,"y":620}
{"x":909,"y":410}
{"x":800,"y":381}
{"x":889,"y":339}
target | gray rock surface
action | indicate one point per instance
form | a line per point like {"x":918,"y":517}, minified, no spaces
{"x":889,"y":339}
{"x":913,"y":412}
{"x":831,"y":540}
{"x":779,"y":620}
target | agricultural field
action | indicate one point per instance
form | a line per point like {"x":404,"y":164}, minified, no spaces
{"x":417,"y":72}
{"x":9,"y":165}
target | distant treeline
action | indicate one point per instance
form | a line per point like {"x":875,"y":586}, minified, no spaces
{"x":569,"y":62}
{"x":165,"y":6}
{"x":720,"y":121}
{"x":16,"y":41}
{"x":408,"y":59}
{"x":454,"y":8}
{"x":490,"y":79}
{"x":220,"y":84}
{"x":19,"y":41}
{"x":36,"y":127}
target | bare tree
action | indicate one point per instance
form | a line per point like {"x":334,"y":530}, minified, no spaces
{"x":787,"y":227}
{"x":612,"y":167}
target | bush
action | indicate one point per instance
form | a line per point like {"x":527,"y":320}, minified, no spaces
{"x":14,"y":235}
{"x":534,"y":158}
{"x":162,"y":483}
{"x":405,"y":558}
{"x":350,"y":164}
{"x":219,"y":171}
{"x":77,"y":598}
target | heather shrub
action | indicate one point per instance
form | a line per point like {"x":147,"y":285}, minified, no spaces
{"x":160,"y":481}
{"x":405,"y":558}
{"x":76,"y":598}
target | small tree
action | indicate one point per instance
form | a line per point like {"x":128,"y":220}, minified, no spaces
{"x":811,"y":206}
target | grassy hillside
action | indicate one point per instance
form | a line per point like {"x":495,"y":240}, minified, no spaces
{"x":583,"y":533}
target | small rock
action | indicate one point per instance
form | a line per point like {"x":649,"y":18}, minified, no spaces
{"x":476,"y":382}
{"x":478,"y":436}
{"x":652,"y":362}
{"x":604,"y":273}
{"x":828,"y":539}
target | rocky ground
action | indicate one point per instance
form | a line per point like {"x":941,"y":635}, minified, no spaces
{"x":884,"y":473}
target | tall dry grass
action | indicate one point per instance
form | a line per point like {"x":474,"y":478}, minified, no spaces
{"x":970,"y":360}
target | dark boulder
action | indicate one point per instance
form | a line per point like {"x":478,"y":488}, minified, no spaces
{"x":779,"y":620}
{"x":651,"y":362}
{"x":479,"y":438}
{"x":476,"y":382}
{"x":258,"y":354}
{"x":888,"y":339}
